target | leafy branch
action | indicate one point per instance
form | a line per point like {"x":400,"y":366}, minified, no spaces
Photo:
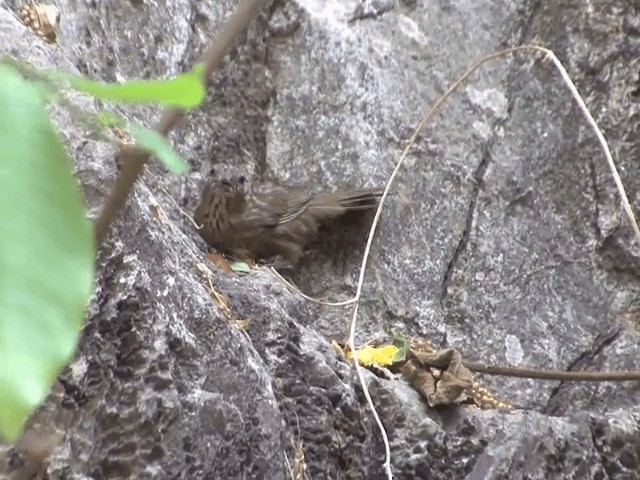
{"x":47,"y":243}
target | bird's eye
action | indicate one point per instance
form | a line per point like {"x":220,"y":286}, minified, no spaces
{"x":242,"y":180}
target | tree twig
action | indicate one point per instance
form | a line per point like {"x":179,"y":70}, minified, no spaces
{"x":540,"y":374}
{"x":133,"y":159}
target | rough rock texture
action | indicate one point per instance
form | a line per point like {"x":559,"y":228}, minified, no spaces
{"x":504,"y":238}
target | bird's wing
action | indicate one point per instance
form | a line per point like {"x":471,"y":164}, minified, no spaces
{"x":277,"y":205}
{"x":297,"y":203}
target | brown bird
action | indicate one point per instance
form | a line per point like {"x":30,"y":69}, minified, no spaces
{"x":262,"y":222}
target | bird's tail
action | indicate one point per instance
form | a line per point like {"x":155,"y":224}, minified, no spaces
{"x":360,"y":199}
{"x":350,"y":200}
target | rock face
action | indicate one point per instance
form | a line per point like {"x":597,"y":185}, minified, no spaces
{"x":503,"y":238}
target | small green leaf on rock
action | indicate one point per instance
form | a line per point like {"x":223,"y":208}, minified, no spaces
{"x":400,"y":341}
{"x":240,"y":267}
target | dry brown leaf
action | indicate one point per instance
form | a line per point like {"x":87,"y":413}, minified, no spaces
{"x":157,"y":212}
{"x":338,"y":348}
{"x":241,"y":324}
{"x":221,"y":300}
{"x":450,"y":381}
{"x":121,"y":135}
{"x":439,"y":386}
{"x":299,"y":463}
{"x":219,"y":261}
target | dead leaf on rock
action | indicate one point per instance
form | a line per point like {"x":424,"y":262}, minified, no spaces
{"x":219,"y":261}
{"x":442,"y":379}
{"x":338,"y":348}
{"x":219,"y":298}
{"x":439,"y":386}
{"x":42,"y":19}
{"x":241,"y":324}
{"x":299,"y":463}
{"x":121,"y":135}
{"x":157,"y":212}
{"x":440,"y":376}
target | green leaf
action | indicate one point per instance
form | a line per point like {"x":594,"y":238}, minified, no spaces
{"x":48,"y":84}
{"x":400,"y":341}
{"x":108,"y":119}
{"x":148,"y":140}
{"x":155,"y":143}
{"x":241,"y":267}
{"x":184,"y":91}
{"x":46,"y":253}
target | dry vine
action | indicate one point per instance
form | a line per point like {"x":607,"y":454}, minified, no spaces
{"x":428,"y":117}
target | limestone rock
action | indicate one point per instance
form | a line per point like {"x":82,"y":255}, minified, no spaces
{"x":503,"y":238}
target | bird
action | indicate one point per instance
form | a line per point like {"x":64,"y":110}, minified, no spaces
{"x":265,"y":222}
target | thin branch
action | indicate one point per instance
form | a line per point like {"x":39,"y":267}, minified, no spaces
{"x":295,"y":289}
{"x":189,"y":218}
{"x":540,"y":374}
{"x":134,"y":159}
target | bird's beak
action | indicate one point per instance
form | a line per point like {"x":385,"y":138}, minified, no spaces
{"x":243,"y":189}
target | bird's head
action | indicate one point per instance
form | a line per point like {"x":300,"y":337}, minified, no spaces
{"x":230,"y":180}
{"x":225,"y":194}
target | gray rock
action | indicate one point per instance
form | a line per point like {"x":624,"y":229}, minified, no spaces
{"x":503,"y":238}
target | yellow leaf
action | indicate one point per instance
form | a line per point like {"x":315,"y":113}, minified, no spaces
{"x":380,"y":356}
